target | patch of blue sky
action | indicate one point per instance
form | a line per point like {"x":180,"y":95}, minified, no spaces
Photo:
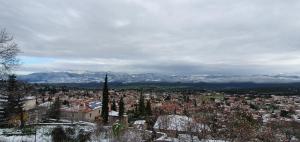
{"x":27,"y":60}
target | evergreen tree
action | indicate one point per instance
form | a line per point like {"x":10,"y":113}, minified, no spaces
{"x":54,"y":112}
{"x":186,"y":98}
{"x":121,"y":107}
{"x":43,"y":100}
{"x":136,"y":110}
{"x":20,"y":104}
{"x":148,"y":108}
{"x":36,"y":101}
{"x":195,"y":103}
{"x":105,"y":101}
{"x":15,"y":100}
{"x":141,"y":105}
{"x":49,"y":99}
{"x":11,"y":99}
{"x":113,"y":106}
{"x":3,"y":104}
{"x":12,"y":95}
{"x":53,"y":91}
{"x":185,"y":112}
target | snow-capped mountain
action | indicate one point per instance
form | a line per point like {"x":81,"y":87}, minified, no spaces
{"x":85,"y":77}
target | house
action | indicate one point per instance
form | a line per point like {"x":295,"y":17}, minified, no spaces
{"x":29,"y":103}
{"x":178,"y":124}
{"x":82,"y":111}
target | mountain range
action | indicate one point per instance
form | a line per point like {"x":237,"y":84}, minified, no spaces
{"x":86,"y":77}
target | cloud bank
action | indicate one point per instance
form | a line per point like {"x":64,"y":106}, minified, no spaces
{"x":169,"y":36}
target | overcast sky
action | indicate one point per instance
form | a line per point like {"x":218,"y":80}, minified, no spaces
{"x":167,"y":36}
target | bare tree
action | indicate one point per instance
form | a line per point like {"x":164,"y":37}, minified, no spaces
{"x":8,"y":52}
{"x":241,"y":126}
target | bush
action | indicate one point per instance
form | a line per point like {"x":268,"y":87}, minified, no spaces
{"x":58,"y":134}
{"x":28,"y":130}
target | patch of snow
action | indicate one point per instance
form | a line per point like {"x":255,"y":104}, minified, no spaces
{"x":29,"y":98}
{"x":178,"y":123}
{"x":113,"y":113}
{"x":139,"y":122}
{"x":45,"y":104}
{"x":188,"y":138}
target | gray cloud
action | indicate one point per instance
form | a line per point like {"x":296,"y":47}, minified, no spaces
{"x":175,"y":36}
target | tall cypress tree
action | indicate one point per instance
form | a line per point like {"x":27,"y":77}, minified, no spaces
{"x":141,"y":105}
{"x":148,"y":108}
{"x":12,"y":95}
{"x":136,"y":110}
{"x":121,"y":107}
{"x":105,"y":101}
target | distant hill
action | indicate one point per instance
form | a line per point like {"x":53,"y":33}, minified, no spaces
{"x":87,"y":77}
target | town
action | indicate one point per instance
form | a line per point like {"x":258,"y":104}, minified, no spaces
{"x":149,"y":71}
{"x":145,"y":115}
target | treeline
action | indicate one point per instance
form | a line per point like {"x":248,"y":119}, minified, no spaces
{"x":232,"y":88}
{"x":281,"y":90}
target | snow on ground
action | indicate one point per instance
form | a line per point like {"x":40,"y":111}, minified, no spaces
{"x":45,"y":104}
{"x":178,"y":123}
{"x":213,"y":141}
{"x":188,"y":138}
{"x":43,"y":132}
{"x":43,"y":135}
{"x":29,"y":98}
{"x":266,"y":118}
{"x":139,"y":122}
